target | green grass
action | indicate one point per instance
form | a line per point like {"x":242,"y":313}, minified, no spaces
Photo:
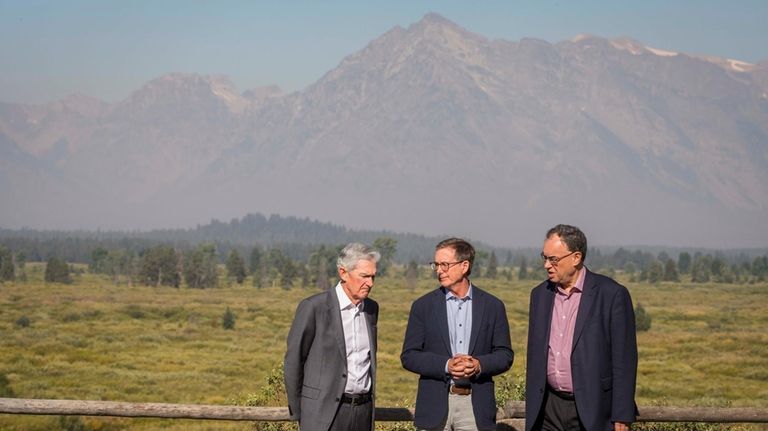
{"x":708,"y":344}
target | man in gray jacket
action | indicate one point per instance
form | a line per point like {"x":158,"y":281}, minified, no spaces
{"x":330,"y":364}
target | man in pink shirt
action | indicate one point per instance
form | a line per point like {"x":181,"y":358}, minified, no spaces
{"x":582,"y":348}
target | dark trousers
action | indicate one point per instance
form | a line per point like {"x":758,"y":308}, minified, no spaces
{"x":559,"y":413}
{"x":351,"y":417}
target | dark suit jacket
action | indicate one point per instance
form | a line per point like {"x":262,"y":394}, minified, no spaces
{"x":427,"y":348}
{"x":603,"y":359}
{"x":315,"y":362}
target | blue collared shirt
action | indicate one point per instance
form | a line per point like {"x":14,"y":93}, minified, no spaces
{"x":459,"y":320}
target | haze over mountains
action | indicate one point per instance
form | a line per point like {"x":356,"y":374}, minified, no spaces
{"x":429,"y":129}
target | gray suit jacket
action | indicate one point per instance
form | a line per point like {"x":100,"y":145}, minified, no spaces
{"x":315,"y":362}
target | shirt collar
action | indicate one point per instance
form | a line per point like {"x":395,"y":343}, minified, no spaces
{"x":449,"y":295}
{"x":344,"y":301}
{"x":579,"y":286}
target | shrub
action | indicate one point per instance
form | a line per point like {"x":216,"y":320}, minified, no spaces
{"x":5,"y":387}
{"x":228,"y":319}
{"x":271,"y":395}
{"x":57,"y":271}
{"x":642,"y":319}
{"x":22,"y":322}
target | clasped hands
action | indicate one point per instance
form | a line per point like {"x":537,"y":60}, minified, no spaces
{"x":463,"y":366}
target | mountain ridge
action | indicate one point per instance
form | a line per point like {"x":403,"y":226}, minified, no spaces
{"x":420,"y":118}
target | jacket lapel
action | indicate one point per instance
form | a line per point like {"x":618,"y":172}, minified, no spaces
{"x":478,"y":316}
{"x":370,"y":321}
{"x":334,"y":318}
{"x":548,"y":305}
{"x":588,"y":295}
{"x":441,"y":317}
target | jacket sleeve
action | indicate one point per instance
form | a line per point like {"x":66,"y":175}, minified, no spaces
{"x":501,"y":356}
{"x":623,"y":357}
{"x":415,"y":357}
{"x":300,"y":338}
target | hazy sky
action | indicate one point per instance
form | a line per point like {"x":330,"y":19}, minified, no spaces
{"x":107,"y":49}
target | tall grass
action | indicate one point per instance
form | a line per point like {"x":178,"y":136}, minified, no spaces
{"x":93,"y":340}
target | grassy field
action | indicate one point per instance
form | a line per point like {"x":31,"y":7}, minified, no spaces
{"x":708,"y":344}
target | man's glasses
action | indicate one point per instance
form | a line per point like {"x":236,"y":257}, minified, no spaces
{"x":554,"y":259}
{"x":445,"y":266}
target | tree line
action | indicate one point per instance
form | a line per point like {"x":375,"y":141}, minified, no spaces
{"x":197,"y":267}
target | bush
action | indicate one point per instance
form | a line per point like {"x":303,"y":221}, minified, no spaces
{"x":57,"y":271}
{"x":5,"y":387}
{"x":642,"y":319}
{"x":228,"y":319}
{"x":22,"y":322}
{"x":509,"y":388}
{"x":271,"y":395}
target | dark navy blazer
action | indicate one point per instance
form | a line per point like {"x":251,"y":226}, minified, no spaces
{"x":427,"y":348}
{"x":603,"y":358}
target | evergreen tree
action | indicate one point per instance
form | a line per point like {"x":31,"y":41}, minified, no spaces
{"x":717,"y":267}
{"x":98,"y":260}
{"x":121,"y":263}
{"x":655,"y":271}
{"x":200,"y":267}
{"x":700,"y":270}
{"x":57,"y":271}
{"x":630,"y":269}
{"x":7,"y":267}
{"x":255,"y":260}
{"x":670,"y":270}
{"x":684,"y":263}
{"x":386,"y":246}
{"x":228,"y":319}
{"x":159,"y":266}
{"x":522,"y":273}
{"x":759,"y":269}
{"x":21,"y":264}
{"x":236,"y":267}
{"x":493,"y":264}
{"x":642,"y":319}
{"x":412,"y":274}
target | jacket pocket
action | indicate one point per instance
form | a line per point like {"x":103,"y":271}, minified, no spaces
{"x":310,"y":392}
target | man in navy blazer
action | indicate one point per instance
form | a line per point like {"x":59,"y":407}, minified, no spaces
{"x":457,"y":339}
{"x":582,"y":348}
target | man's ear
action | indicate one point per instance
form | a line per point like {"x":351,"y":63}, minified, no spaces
{"x":343,"y":275}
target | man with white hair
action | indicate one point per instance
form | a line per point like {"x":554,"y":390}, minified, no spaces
{"x":330,"y":363}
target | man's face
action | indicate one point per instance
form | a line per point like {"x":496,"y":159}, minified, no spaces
{"x":564,"y":271}
{"x":358,"y":282}
{"x":449,"y":270}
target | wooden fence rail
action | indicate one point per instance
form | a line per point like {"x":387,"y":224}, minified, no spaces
{"x":512,"y":410}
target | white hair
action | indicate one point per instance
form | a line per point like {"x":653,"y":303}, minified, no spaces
{"x":355,"y":252}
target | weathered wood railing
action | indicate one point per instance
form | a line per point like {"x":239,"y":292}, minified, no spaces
{"x":512,"y":410}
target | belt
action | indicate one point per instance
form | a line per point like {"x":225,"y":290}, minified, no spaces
{"x":564,"y":395}
{"x":459,"y":390}
{"x":356,"y":399}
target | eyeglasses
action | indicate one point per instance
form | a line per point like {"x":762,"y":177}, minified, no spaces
{"x":445,"y":266}
{"x":554,"y":259}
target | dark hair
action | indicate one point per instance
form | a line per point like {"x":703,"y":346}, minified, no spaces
{"x":573,"y":238}
{"x":463,"y":249}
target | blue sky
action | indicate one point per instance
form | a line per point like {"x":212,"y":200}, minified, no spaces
{"x":107,"y":49}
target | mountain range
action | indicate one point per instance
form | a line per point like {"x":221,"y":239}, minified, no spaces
{"x":428,"y":129}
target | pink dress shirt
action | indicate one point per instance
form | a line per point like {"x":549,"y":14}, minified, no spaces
{"x":564,"y":311}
